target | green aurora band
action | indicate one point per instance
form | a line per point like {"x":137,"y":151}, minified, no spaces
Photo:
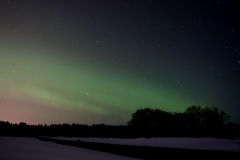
{"x":59,"y":84}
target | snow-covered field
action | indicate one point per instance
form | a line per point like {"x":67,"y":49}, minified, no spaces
{"x":186,"y":143}
{"x":32,"y":148}
{"x":13,"y":148}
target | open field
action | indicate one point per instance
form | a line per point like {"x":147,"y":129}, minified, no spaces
{"x":156,"y":148}
{"x":169,"y":142}
{"x":15,"y":148}
{"x":128,"y":149}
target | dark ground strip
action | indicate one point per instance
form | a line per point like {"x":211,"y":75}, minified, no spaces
{"x":148,"y":153}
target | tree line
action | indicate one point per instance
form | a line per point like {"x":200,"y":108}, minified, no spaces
{"x":195,"y":121}
{"x":65,"y":130}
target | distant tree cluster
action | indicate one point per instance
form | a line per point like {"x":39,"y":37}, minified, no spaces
{"x":195,"y":121}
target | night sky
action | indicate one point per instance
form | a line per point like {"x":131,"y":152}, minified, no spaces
{"x":98,"y":61}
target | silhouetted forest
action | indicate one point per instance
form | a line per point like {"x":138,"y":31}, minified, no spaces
{"x":194,"y":122}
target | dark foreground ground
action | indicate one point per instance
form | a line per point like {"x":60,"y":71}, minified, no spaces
{"x":148,"y":153}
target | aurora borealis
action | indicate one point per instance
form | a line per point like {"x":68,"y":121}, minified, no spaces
{"x":97,"y":62}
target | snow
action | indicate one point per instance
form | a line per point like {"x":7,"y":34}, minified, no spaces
{"x":32,"y":148}
{"x":173,"y":142}
{"x":12,"y":148}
